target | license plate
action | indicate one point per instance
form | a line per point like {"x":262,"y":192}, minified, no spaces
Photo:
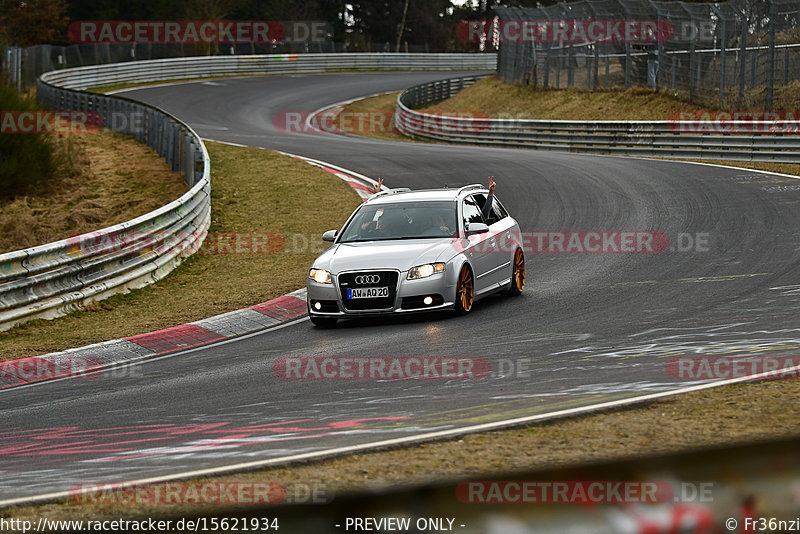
{"x":367,"y":292}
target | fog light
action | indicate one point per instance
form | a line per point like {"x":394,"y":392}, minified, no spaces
{"x":317,"y":306}
{"x":428,"y":301}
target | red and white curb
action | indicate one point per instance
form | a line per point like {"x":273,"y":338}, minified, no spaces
{"x":108,"y":354}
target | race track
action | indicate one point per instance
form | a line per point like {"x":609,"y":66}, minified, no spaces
{"x":592,"y":327}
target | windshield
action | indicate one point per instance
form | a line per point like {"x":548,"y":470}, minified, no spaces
{"x":402,"y":220}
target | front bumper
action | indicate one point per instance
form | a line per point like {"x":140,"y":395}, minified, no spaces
{"x":408,"y":297}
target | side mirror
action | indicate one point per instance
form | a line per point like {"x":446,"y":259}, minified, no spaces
{"x":477,"y":228}
{"x":330,"y":235}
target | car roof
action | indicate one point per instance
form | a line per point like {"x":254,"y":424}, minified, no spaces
{"x":407,"y":195}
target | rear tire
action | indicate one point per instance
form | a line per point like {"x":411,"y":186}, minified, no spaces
{"x":323,"y":322}
{"x":517,"y":274}
{"x":465,"y":291}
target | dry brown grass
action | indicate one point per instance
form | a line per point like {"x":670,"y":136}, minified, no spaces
{"x":115,"y":179}
{"x":500,"y":100}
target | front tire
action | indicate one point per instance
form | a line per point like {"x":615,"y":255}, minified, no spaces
{"x":517,"y":274}
{"x":323,"y":322}
{"x":465,"y":291}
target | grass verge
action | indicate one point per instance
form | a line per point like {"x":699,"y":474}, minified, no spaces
{"x":254,"y":193}
{"x":492,"y":97}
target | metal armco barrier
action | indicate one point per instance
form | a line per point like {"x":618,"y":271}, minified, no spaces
{"x":57,"y":278}
{"x":195,"y":67}
{"x":631,"y":138}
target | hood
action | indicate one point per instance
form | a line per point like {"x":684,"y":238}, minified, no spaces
{"x":392,"y":254}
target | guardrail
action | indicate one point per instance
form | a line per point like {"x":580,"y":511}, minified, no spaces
{"x":196,"y":67}
{"x":57,"y":278}
{"x":631,"y":138}
{"x":54,"y":279}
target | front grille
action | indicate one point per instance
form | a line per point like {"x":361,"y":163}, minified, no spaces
{"x":385,"y":278}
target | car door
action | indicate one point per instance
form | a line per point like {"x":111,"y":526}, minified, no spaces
{"x":502,"y":227}
{"x":481,"y":248}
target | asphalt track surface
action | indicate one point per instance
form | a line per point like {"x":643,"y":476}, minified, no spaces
{"x":593,"y":327}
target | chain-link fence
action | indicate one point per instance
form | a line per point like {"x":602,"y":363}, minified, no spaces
{"x":734,"y":54}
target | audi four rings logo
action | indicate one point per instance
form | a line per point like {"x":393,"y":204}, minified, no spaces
{"x":368,"y":279}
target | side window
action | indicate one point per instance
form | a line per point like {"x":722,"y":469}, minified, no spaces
{"x":471,"y":211}
{"x":499,"y":212}
{"x":496,"y":213}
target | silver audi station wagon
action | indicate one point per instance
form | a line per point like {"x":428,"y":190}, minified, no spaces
{"x":406,"y":251}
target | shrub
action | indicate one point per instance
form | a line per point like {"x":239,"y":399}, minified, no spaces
{"x":27,"y":160}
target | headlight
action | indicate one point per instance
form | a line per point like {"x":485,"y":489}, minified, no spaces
{"x":320,"y":276}
{"x":424,"y":271}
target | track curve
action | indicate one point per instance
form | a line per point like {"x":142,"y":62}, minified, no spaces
{"x":593,"y":327}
